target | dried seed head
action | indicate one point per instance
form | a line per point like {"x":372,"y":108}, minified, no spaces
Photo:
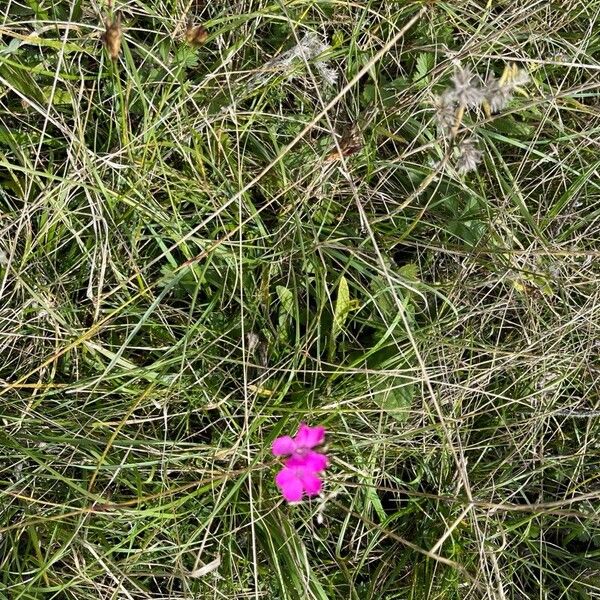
{"x":499,"y":92}
{"x":252,"y":341}
{"x":466,"y":88}
{"x":445,"y":112}
{"x":312,"y":45}
{"x":469,"y":91}
{"x":469,"y":155}
{"x":309,"y":47}
{"x":112,"y":36}
{"x":328,"y":74}
{"x":496,"y":95}
{"x":195,"y":35}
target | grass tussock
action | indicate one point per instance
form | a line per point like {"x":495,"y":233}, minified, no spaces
{"x":220,"y":219}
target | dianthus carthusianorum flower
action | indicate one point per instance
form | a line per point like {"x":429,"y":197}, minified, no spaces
{"x":296,"y":481}
{"x":300,"y":448}
{"x":302,"y":464}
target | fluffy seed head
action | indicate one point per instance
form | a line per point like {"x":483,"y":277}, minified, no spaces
{"x":469,"y":155}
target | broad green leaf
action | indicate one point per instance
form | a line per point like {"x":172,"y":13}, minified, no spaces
{"x":342,"y":307}
{"x":394,"y":398}
{"x":286,"y":311}
{"x":58,"y":96}
{"x":287,"y":300}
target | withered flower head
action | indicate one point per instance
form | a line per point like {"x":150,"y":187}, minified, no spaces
{"x":195,"y":35}
{"x":112,"y":36}
{"x":350,"y":143}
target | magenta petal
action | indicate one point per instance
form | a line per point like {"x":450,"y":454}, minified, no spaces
{"x":315,"y":461}
{"x":289,"y":483}
{"x":311,"y":483}
{"x":308,"y":437}
{"x":311,"y":461}
{"x":283,"y":445}
{"x":285,"y":476}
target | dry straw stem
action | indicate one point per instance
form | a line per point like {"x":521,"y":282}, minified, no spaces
{"x":408,"y":544}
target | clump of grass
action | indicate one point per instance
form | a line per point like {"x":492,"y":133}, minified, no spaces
{"x":181,"y":284}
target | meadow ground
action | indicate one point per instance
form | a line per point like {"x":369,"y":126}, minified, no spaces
{"x":378,"y":216}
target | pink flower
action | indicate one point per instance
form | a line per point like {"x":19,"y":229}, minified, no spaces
{"x":299,"y":474}
{"x":294,"y":481}
{"x":301,"y":448}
